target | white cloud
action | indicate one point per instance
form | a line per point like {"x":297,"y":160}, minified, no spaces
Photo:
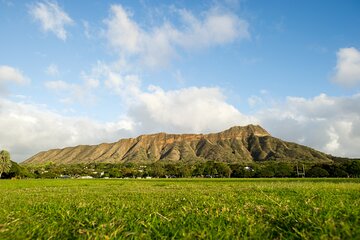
{"x":347,"y":71}
{"x":29,"y":128}
{"x":329,"y":124}
{"x":51,"y":17}
{"x":85,"y":91}
{"x":82,"y":93}
{"x":52,"y":70}
{"x":125,"y":86}
{"x":216,"y":28}
{"x":10,"y":74}
{"x":122,"y":32}
{"x":263,"y":99}
{"x":185,"y":110}
{"x":156,"y":46}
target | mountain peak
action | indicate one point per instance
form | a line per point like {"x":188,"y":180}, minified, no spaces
{"x":256,"y":130}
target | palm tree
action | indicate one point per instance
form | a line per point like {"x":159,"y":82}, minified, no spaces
{"x":5,"y":162}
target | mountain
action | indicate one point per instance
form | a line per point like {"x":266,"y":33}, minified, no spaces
{"x":237,"y":144}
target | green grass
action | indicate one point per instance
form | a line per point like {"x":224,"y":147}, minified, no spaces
{"x":180,"y":209}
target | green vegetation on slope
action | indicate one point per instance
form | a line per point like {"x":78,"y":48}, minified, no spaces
{"x":349,"y":168}
{"x":180,"y":209}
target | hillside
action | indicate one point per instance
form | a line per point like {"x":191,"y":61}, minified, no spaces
{"x":237,"y":144}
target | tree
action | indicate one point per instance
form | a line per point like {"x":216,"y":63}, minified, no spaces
{"x":210,"y":169}
{"x":338,"y":172}
{"x":317,"y":171}
{"x":353,"y":168}
{"x":283,"y":170}
{"x":5,"y":162}
{"x":114,"y":172}
{"x":17,"y":171}
{"x":156,"y":170}
{"x":223,"y":169}
{"x":335,"y":170}
{"x":198,"y":169}
{"x":266,"y":171}
{"x":184,"y":170}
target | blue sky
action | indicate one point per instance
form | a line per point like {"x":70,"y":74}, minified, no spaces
{"x":85,"y":72}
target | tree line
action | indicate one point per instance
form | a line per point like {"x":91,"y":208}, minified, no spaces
{"x":204,"y":169}
{"x":208,"y":169}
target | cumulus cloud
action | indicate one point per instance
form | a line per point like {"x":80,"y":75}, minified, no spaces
{"x":101,"y":74}
{"x":193,"y":109}
{"x":51,"y":17}
{"x":347,"y":70}
{"x":156,"y":46}
{"x":123,"y":33}
{"x":329,"y":124}
{"x":216,"y":28}
{"x":127,"y":86}
{"x":29,"y":128}
{"x":186,"y":110}
{"x":74,"y":92}
{"x":11,"y":75}
{"x":113,"y":78}
{"x":79,"y":92}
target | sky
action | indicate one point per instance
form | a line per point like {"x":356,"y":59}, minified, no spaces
{"x":87,"y":72}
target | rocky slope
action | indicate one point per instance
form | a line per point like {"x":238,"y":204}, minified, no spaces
{"x":237,"y":144}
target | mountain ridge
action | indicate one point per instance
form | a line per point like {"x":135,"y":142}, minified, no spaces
{"x":236,"y":144}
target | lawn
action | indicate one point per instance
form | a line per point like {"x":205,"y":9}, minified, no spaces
{"x":180,"y":209}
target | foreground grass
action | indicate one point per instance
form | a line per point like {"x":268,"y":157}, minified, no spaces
{"x":183,"y":208}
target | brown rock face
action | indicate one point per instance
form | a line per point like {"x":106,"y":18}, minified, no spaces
{"x":237,"y":144}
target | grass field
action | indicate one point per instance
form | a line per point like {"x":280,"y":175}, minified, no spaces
{"x":181,"y":208}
